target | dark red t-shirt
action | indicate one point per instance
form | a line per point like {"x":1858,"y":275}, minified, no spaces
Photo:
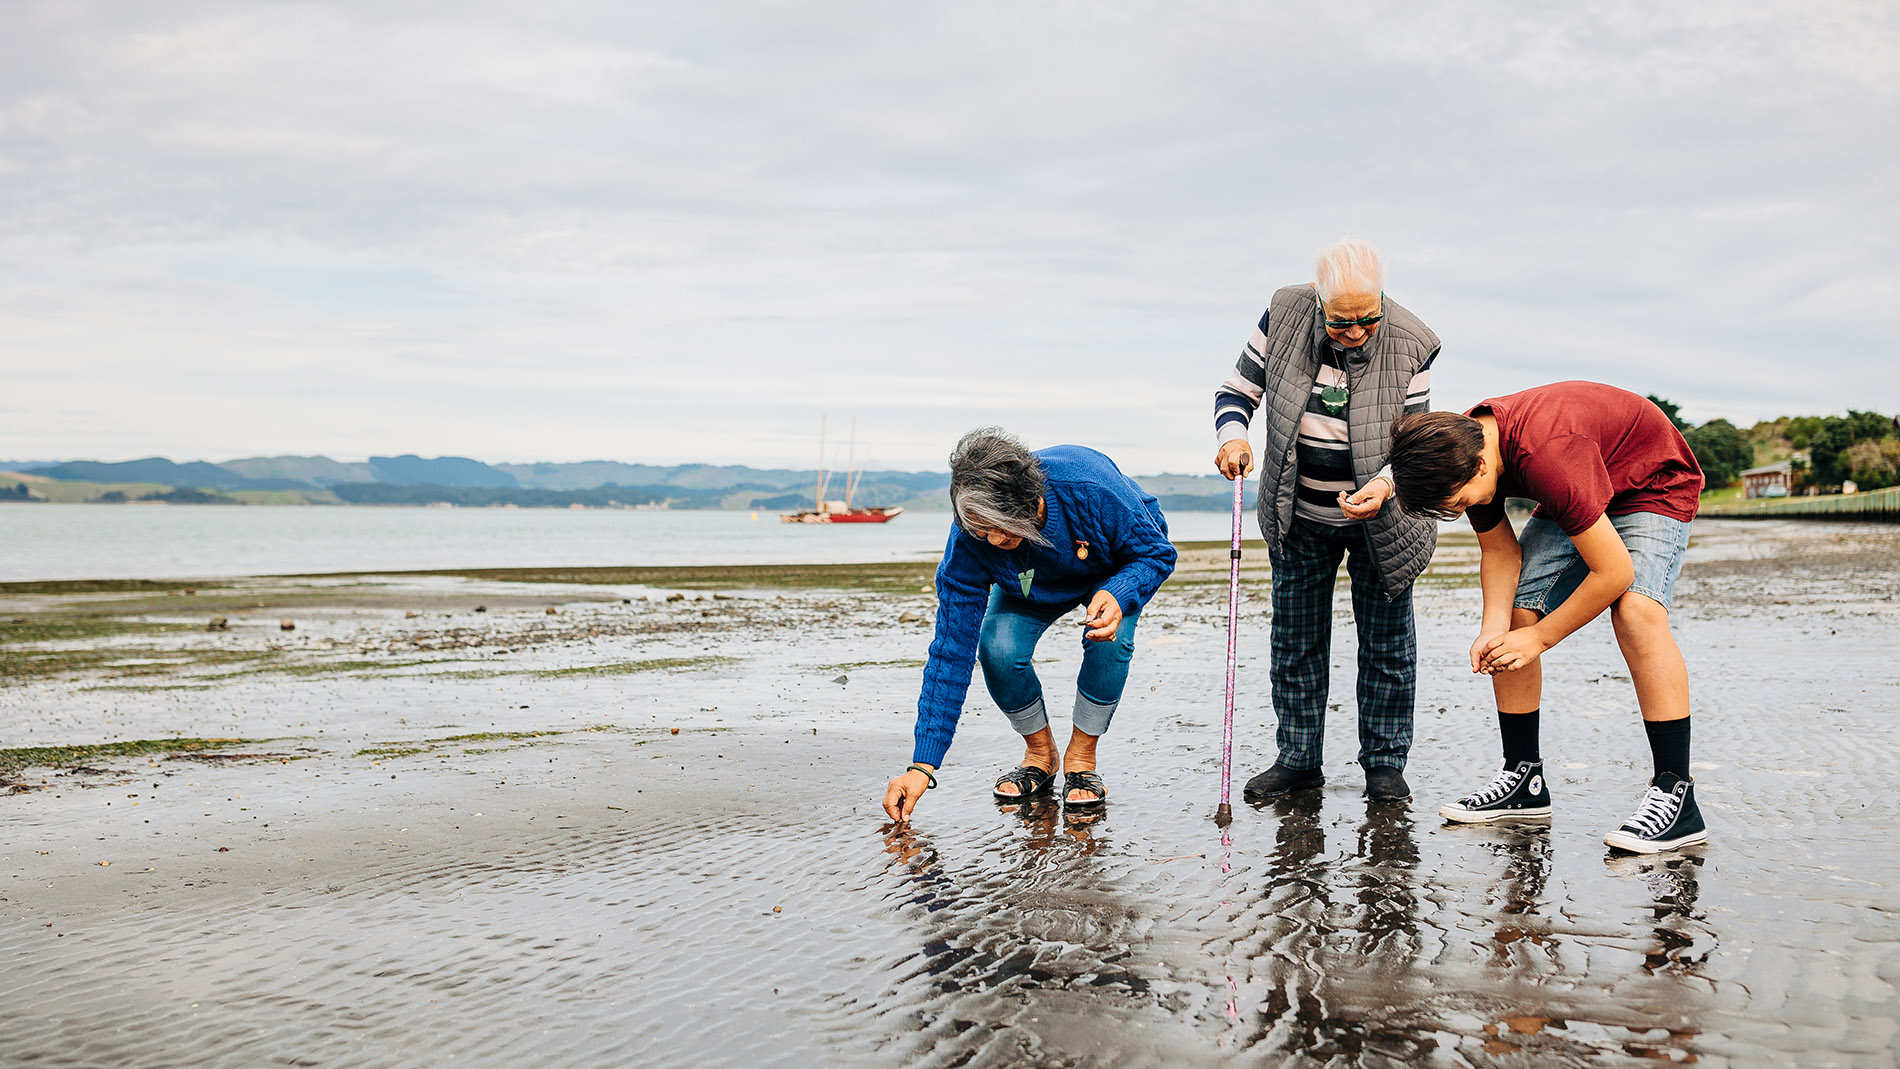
{"x":1583,"y":450}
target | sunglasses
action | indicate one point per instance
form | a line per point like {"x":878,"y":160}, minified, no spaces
{"x":1348,"y":324}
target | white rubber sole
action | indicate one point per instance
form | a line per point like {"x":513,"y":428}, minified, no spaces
{"x":1460,"y":815}
{"x":1622,"y":840}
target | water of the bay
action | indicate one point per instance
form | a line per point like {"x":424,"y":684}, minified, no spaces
{"x":48,"y":541}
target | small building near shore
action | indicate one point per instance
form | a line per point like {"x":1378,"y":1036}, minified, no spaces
{"x":1771,"y":480}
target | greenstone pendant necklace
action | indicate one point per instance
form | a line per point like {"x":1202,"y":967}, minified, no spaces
{"x":1335,"y":398}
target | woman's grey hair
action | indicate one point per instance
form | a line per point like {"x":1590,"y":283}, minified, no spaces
{"x":996,"y":484}
{"x":1348,"y":266}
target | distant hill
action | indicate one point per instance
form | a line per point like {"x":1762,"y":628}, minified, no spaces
{"x":585,"y":475}
{"x":196,"y":475}
{"x":609,"y":496}
{"x":411,"y":479}
{"x":312,"y":471}
{"x":412,"y":470}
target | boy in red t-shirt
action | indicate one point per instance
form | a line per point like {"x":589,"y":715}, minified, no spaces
{"x":1616,"y":488}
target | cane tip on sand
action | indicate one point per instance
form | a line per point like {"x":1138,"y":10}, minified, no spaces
{"x":1224,"y":814}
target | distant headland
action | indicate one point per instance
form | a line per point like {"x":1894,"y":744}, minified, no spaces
{"x":466,"y":483}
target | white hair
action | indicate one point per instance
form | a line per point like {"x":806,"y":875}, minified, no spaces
{"x":1348,"y":266}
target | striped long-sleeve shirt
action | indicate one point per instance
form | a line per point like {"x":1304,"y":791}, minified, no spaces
{"x":1325,"y":460}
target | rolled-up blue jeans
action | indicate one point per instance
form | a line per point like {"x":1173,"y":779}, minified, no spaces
{"x":1007,"y":652}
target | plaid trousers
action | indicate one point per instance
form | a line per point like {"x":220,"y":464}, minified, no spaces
{"x":1303,"y":569}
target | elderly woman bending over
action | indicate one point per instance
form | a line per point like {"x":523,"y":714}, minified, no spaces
{"x":1035,"y":535}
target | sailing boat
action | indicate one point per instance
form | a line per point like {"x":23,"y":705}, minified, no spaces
{"x":840,"y":511}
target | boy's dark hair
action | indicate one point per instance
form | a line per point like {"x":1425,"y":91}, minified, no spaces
{"x":1432,"y":455}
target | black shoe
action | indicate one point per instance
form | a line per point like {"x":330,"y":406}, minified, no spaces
{"x":1518,"y":793}
{"x":1667,"y":819}
{"x":1386,"y":784}
{"x":1280,"y":779}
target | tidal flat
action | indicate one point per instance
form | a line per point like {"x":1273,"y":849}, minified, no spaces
{"x":629,"y":816}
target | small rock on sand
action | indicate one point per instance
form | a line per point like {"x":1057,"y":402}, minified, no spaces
{"x":552,"y":610}
{"x":676,"y":597}
{"x":842,"y":679}
{"x":908,"y":618}
{"x":481,"y":608}
{"x":287,"y":624}
{"x":218,"y":623}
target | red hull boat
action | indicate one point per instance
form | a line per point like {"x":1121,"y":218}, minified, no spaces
{"x":884,"y":515}
{"x":840,"y":511}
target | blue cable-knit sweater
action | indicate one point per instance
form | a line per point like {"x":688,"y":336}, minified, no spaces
{"x":1088,"y":500}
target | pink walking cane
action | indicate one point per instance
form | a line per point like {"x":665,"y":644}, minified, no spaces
{"x":1225,"y":813}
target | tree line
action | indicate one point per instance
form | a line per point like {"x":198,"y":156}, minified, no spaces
{"x":1863,"y":447}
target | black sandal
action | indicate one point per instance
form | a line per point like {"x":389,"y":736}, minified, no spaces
{"x":1083,"y":781}
{"x":1028,"y":780}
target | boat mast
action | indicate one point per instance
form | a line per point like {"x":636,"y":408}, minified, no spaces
{"x":818,"y":495}
{"x":851,"y":466}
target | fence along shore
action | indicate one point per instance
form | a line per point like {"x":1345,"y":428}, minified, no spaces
{"x":1880,"y":506}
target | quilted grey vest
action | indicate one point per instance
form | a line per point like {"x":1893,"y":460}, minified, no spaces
{"x":1378,"y":373}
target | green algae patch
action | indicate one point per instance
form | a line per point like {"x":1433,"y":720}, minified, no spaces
{"x":1247,"y":545}
{"x":899,"y":577}
{"x":43,"y":645}
{"x":69,"y":756}
{"x":617,"y":668}
{"x":43,"y":628}
{"x":17,"y":665}
{"x":104,"y":586}
{"x":501,"y":736}
{"x":392,"y":750}
{"x":329,"y":668}
{"x":381,"y":752}
{"x":849,"y":666}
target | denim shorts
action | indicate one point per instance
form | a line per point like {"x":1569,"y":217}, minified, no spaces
{"x":1553,"y":569}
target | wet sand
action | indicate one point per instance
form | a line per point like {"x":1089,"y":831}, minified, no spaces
{"x":461,"y":838}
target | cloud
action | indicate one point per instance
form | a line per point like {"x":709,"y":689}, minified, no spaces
{"x":578,"y":230}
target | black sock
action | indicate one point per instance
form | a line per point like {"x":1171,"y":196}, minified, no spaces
{"x":1669,"y":745}
{"x":1520,"y":736}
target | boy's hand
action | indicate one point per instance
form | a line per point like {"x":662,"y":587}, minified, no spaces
{"x":1366,"y":502}
{"x":1105,"y":617}
{"x":1485,"y":642}
{"x":1511,"y":651}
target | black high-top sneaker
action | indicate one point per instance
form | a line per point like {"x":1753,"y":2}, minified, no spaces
{"x":1518,"y":793}
{"x":1667,"y":819}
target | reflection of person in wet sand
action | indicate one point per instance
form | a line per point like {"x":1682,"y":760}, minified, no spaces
{"x":1035,"y":535}
{"x":1616,"y":489}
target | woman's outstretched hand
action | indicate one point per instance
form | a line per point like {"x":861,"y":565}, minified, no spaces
{"x":1105,"y":617}
{"x":901,"y":796}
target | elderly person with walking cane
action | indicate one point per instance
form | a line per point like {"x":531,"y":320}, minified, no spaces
{"x":1035,"y":535}
{"x":1332,"y":363}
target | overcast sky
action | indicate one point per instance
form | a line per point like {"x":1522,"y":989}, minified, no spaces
{"x":667,"y":232}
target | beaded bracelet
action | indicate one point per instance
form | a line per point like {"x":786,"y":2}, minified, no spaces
{"x":927,"y":775}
